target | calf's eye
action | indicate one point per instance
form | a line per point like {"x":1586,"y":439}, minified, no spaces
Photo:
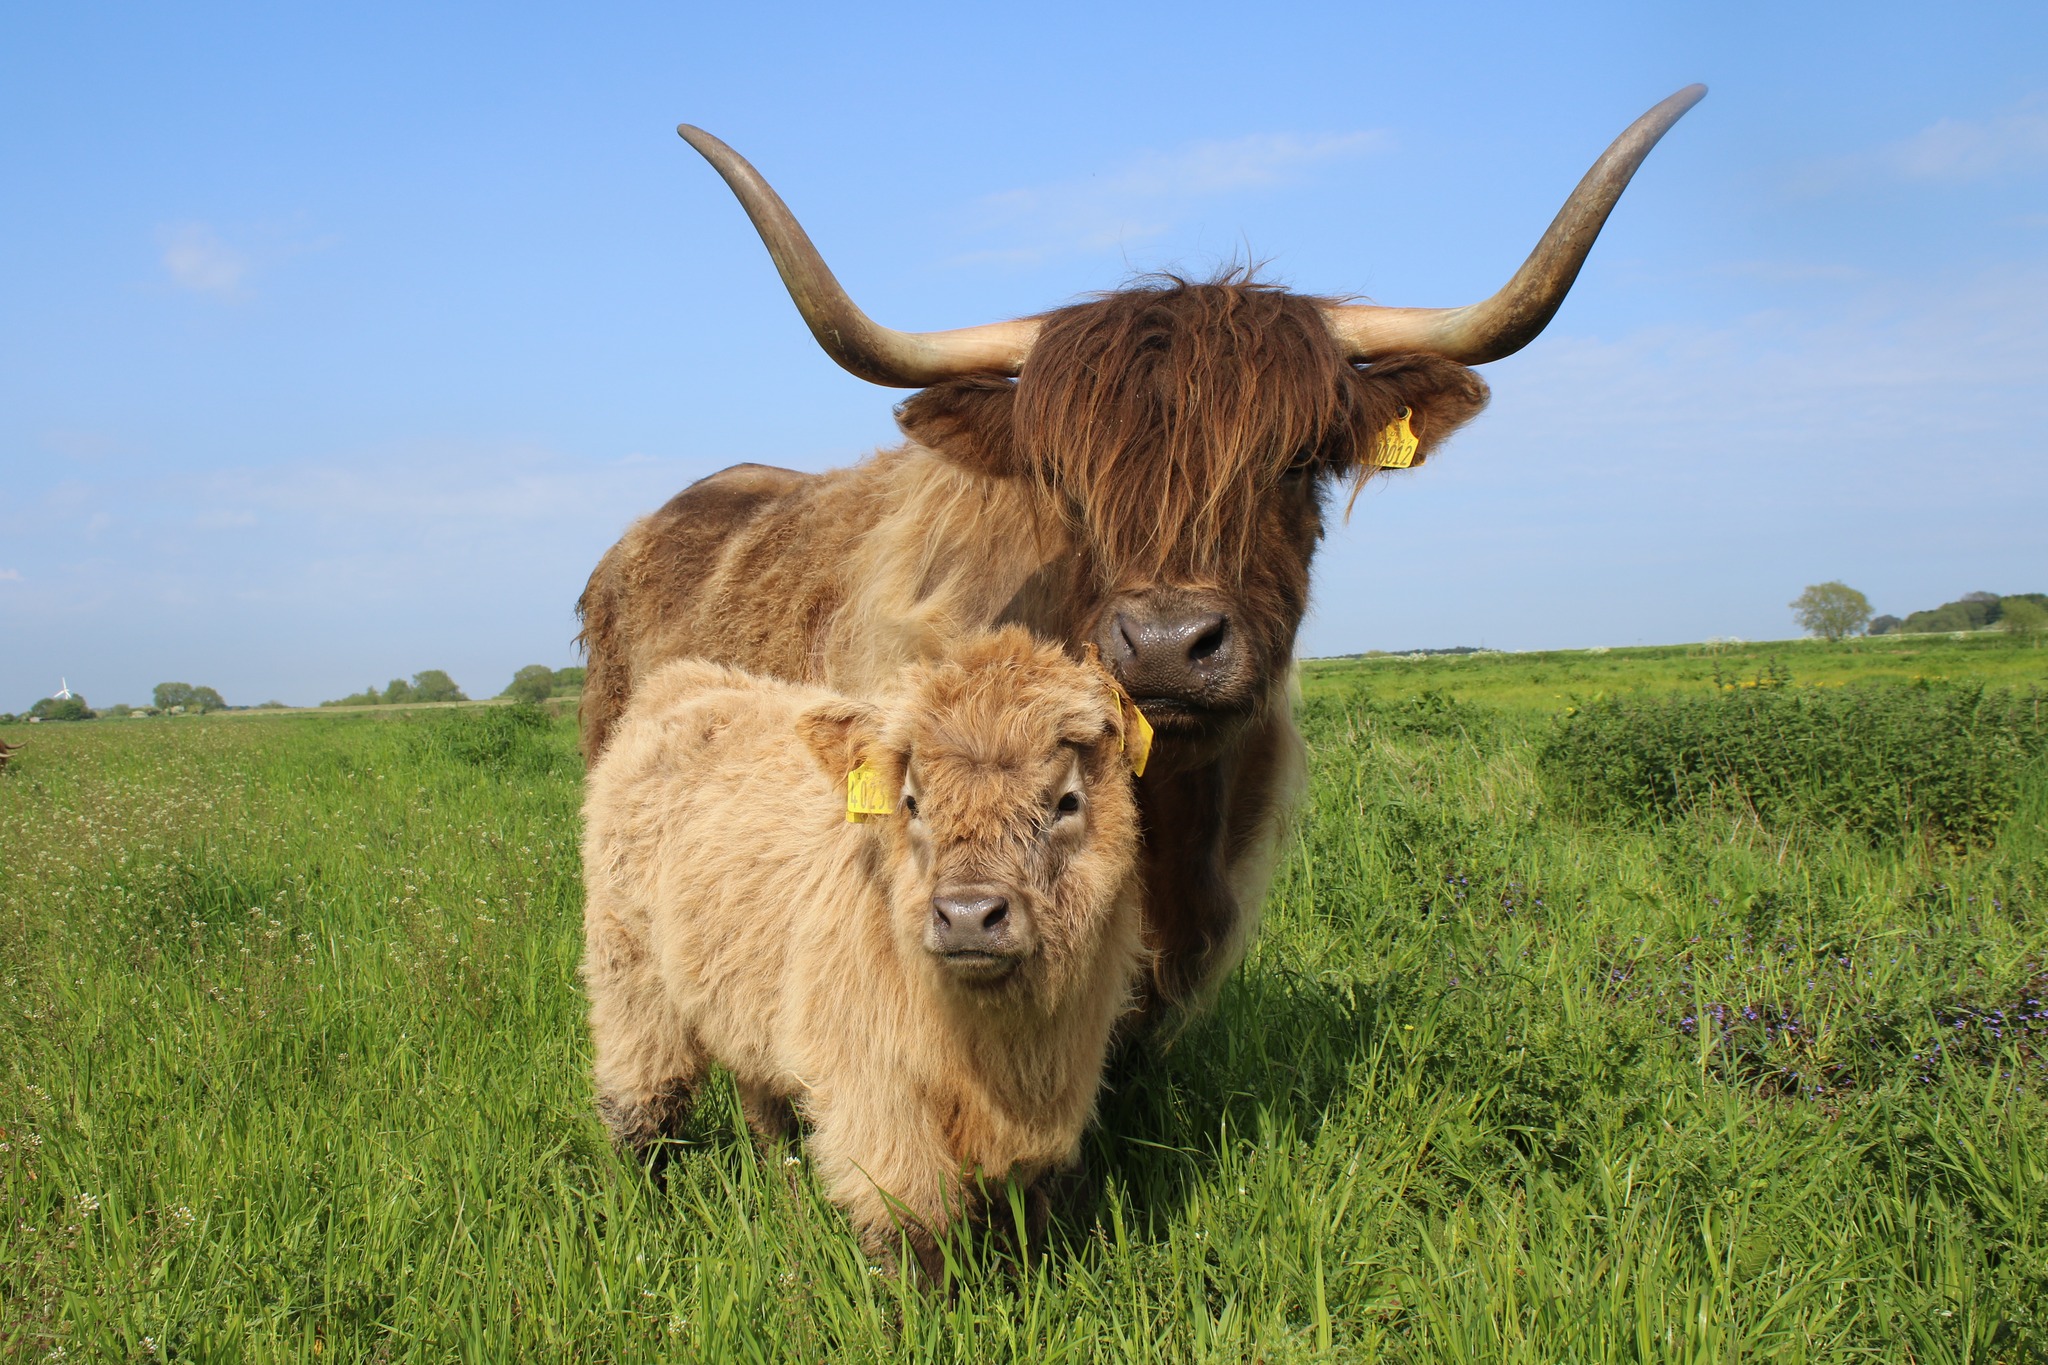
{"x":1068,"y":804}
{"x":910,"y":806}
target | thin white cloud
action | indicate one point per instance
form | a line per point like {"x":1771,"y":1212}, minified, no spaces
{"x":1975,"y":149}
{"x":197,"y":259}
{"x":1949,"y":151}
{"x":10,"y":576}
{"x":1145,"y":197}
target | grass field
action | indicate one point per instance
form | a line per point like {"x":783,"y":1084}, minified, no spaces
{"x":292,"y":1066}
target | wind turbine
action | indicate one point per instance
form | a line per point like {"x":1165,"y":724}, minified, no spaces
{"x":63,"y":692}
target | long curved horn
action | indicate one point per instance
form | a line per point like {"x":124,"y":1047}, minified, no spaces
{"x":1510,"y":320}
{"x":902,"y":360}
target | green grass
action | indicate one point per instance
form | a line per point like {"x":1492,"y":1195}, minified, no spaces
{"x":1547,"y":681}
{"x":292,"y":1003}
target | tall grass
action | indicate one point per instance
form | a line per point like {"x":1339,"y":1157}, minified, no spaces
{"x":292,"y":1066}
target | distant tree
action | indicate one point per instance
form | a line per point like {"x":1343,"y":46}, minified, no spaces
{"x":568,"y":681}
{"x":434,"y":685}
{"x":1971,"y":611}
{"x":169,"y":694}
{"x":72,"y":707}
{"x":398,"y":689}
{"x":369,"y":696}
{"x":1831,"y":610}
{"x":2023,"y":617}
{"x":1883,"y":625}
{"x":533,"y":683}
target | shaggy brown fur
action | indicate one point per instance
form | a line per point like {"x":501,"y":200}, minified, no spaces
{"x":1171,"y":443}
{"x":7,"y":751}
{"x":735,"y":916}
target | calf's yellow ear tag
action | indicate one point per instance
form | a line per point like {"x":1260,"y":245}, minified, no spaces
{"x":1398,"y":443}
{"x":1138,"y":741}
{"x":865,"y":795}
{"x":1134,"y":732}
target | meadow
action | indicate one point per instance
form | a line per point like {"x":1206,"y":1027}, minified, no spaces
{"x":293,"y":1067}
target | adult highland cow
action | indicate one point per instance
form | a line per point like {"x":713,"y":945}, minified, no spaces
{"x":1144,"y":471}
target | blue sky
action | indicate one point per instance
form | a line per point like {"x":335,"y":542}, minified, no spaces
{"x":336,"y":345}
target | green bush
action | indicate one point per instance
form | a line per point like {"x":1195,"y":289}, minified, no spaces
{"x":1940,"y":760}
{"x":506,"y":739}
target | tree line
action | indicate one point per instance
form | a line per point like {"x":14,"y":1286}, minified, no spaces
{"x":533,"y":683}
{"x":1834,"y":610}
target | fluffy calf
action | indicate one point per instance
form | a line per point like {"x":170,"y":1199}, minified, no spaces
{"x":932,"y":989}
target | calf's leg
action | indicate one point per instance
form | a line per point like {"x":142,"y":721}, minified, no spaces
{"x":648,"y":1071}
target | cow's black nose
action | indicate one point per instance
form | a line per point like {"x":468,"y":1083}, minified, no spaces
{"x":1164,"y":652}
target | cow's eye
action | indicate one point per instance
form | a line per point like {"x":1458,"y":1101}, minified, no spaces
{"x":1303,"y":464}
{"x":910,"y":805}
{"x":1068,"y":804}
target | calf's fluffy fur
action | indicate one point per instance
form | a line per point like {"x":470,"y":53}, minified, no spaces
{"x":934,"y":989}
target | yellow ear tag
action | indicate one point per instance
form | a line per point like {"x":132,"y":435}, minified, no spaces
{"x":866,"y":796}
{"x":1138,"y":744}
{"x":1134,"y":735}
{"x":1398,"y":443}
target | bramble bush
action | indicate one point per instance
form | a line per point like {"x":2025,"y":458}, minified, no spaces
{"x":1892,"y":762}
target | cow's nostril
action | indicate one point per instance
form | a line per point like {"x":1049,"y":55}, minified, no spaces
{"x":1126,"y":637}
{"x":940,"y":919}
{"x":996,"y":915}
{"x":1209,"y":641}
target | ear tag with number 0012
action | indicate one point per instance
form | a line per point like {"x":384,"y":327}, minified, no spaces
{"x":865,"y":795}
{"x":1398,"y":443}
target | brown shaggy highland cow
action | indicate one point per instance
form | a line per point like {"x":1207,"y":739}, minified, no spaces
{"x":933,"y":989}
{"x":1144,"y":472}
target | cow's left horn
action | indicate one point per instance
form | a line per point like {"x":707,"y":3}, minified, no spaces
{"x":880,"y":355}
{"x":1510,"y":320}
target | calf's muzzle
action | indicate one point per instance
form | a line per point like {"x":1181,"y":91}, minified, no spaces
{"x":977,"y":933}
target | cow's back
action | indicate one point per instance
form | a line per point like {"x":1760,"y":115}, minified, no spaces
{"x":837,"y":578}
{"x":653,"y":597}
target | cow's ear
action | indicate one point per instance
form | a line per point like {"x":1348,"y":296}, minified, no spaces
{"x":840,"y":735}
{"x":1440,"y":395}
{"x":969,"y":421}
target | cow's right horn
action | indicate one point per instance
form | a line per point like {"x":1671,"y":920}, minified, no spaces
{"x":880,"y":355}
{"x":1501,"y":325}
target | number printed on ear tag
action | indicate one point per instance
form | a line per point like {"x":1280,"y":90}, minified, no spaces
{"x":865,"y":795}
{"x":1398,"y":443}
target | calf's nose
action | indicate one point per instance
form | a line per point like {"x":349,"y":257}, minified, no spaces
{"x":970,"y":924}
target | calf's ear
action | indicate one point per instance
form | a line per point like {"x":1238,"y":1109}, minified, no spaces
{"x":966,"y":420}
{"x":840,"y":735}
{"x":1440,"y":395}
